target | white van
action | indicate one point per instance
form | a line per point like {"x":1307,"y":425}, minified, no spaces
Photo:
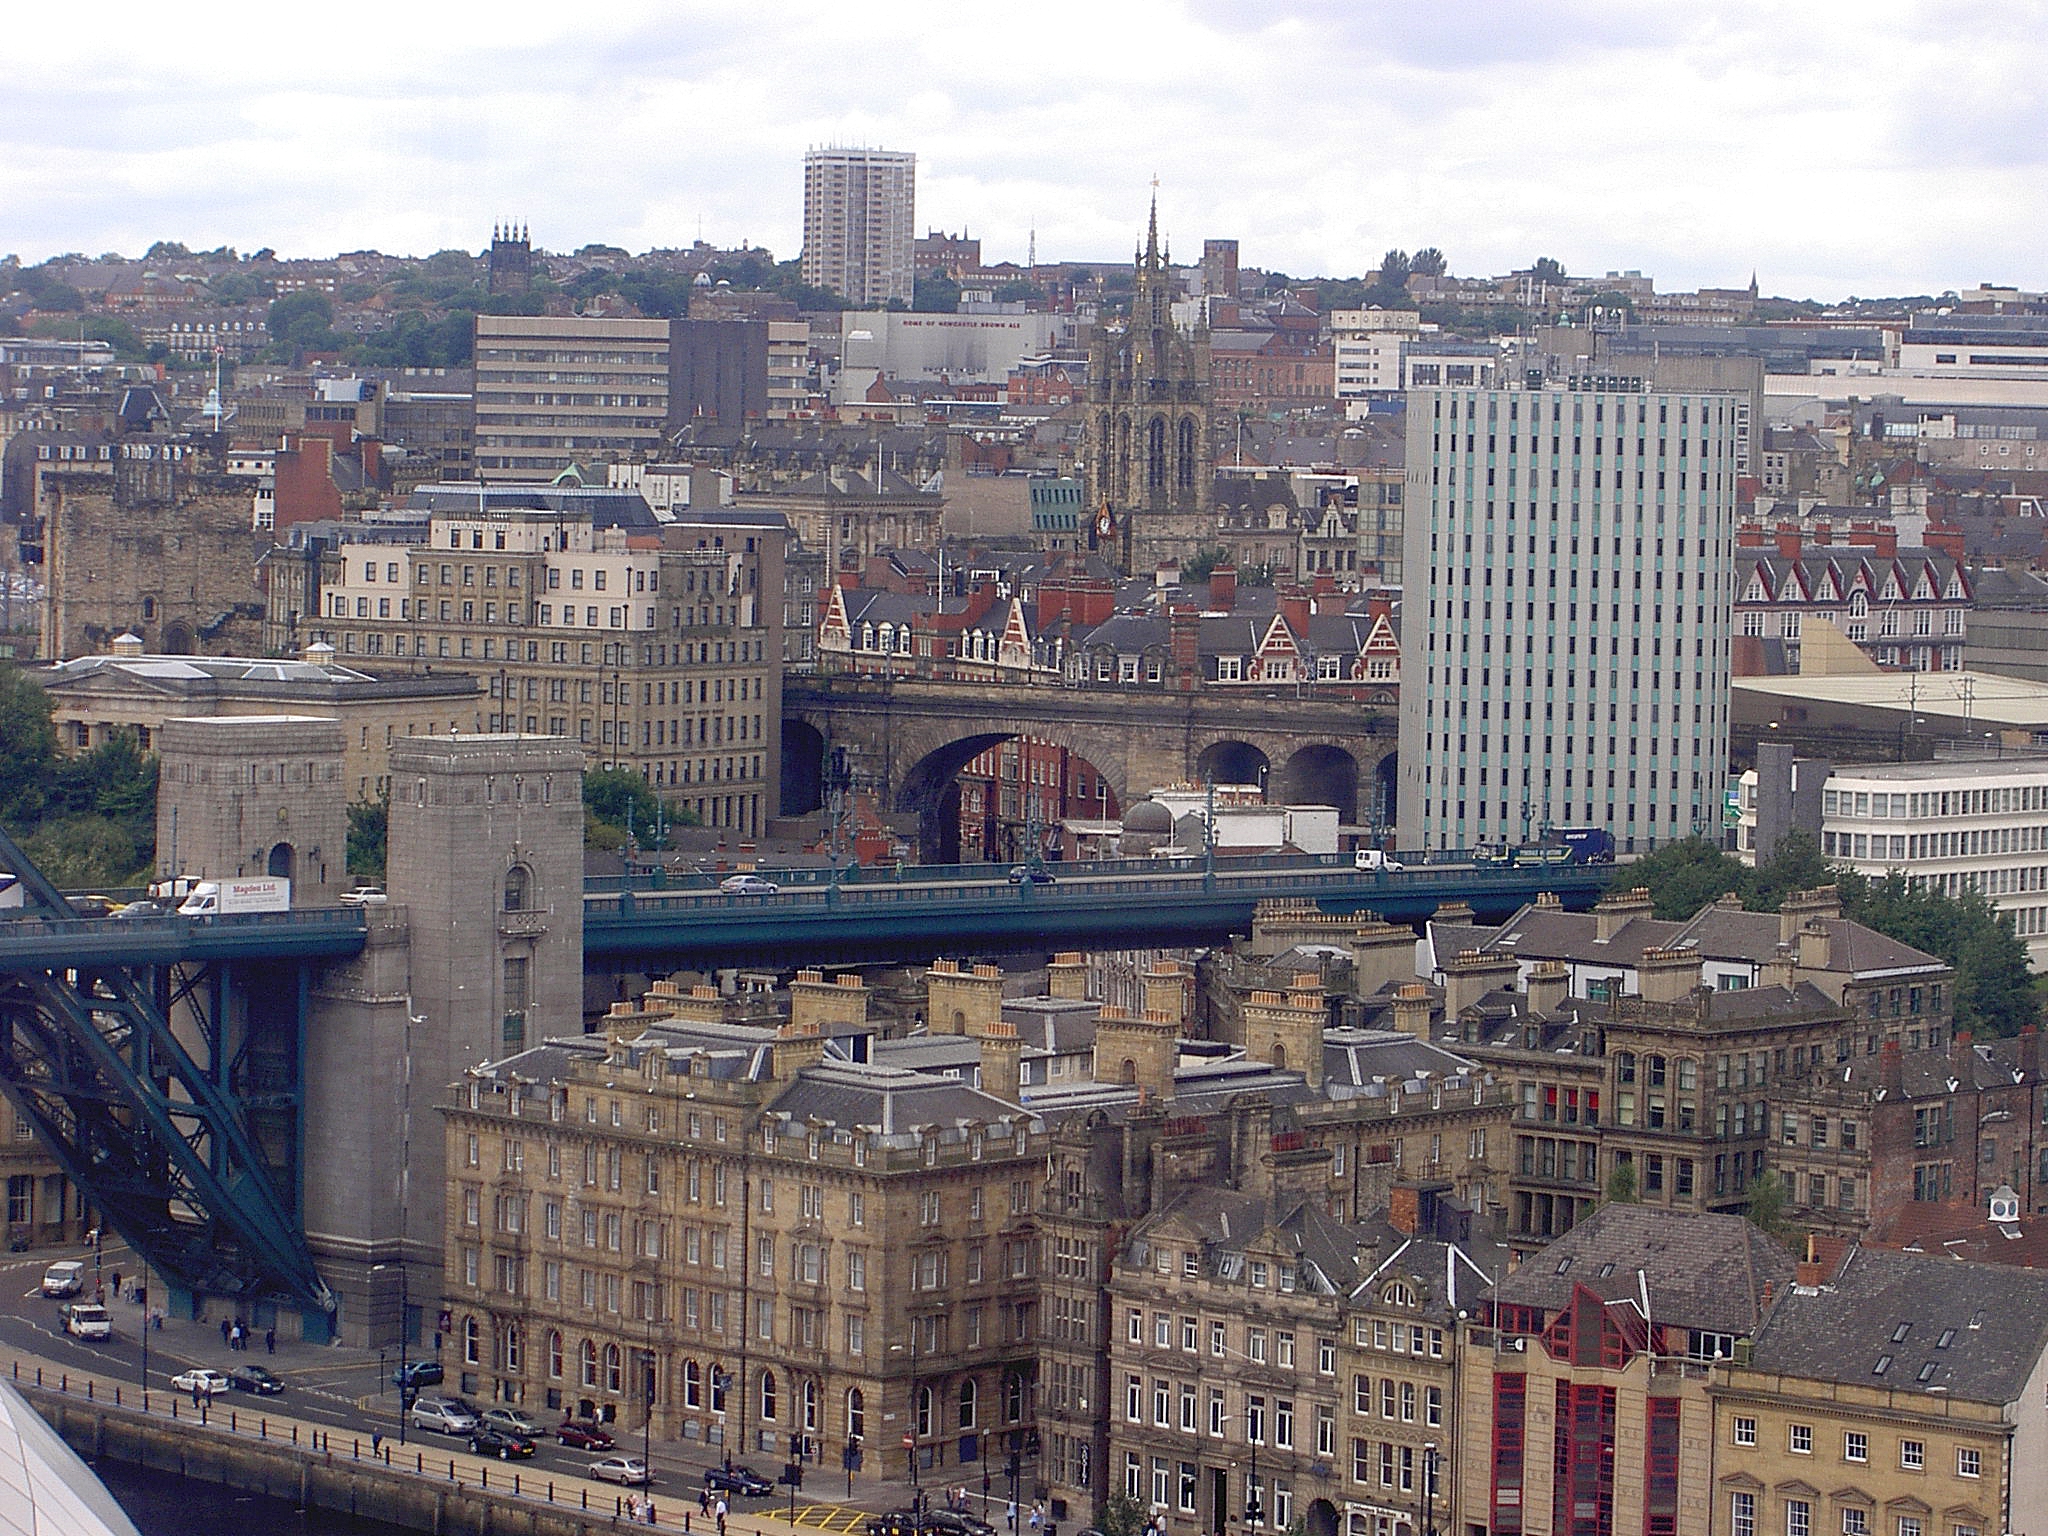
{"x":88,"y":1320}
{"x":65,"y":1278}
{"x":1373,"y":858}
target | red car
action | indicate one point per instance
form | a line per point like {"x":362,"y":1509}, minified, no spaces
{"x":583,"y":1435}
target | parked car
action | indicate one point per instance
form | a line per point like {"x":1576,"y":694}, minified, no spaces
{"x":64,"y":1278}
{"x":748,"y":885}
{"x":744,"y":1481}
{"x":1031,"y":874}
{"x":444,"y":1416}
{"x":253,"y":1378}
{"x":364,"y":896}
{"x":88,"y":1320}
{"x":416,"y":1374}
{"x":496,"y":1440}
{"x":200,"y":1379}
{"x":932,"y":1522}
{"x":630,"y":1470}
{"x":510,"y":1419}
{"x":583,"y":1435}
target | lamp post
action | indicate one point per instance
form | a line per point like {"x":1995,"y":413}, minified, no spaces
{"x":406,"y":1390}
{"x":911,"y":1433}
{"x":1429,"y":1466}
{"x":1254,"y":1512}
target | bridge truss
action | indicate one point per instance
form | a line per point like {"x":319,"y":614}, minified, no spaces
{"x":187,"y":1140}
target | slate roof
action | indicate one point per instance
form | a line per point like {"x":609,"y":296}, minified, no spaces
{"x":1227,"y":1220}
{"x":891,"y":1101}
{"x":1353,"y":1059}
{"x":1702,"y":1271}
{"x":1913,"y":1323}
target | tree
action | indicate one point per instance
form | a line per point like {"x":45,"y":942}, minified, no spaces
{"x":1766,"y":1210}
{"x":1621,"y":1183}
{"x":301,"y":322}
{"x":369,"y":821}
{"x":31,"y":748}
{"x":166,"y":250}
{"x":1429,"y":262}
{"x":936,"y":295}
{"x":241,"y":287}
{"x":1547,"y":269}
{"x":1681,"y":877}
{"x":1394,"y":269}
{"x":619,"y":798}
{"x":1123,"y":1515}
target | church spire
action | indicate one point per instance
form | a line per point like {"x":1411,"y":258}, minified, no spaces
{"x":1152,"y":230}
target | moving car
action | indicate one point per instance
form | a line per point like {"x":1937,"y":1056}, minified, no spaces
{"x":630,"y":1470}
{"x":1031,"y":874}
{"x":496,"y":1440}
{"x":1373,"y":858}
{"x":510,"y":1419}
{"x":94,"y":905}
{"x":583,"y":1435}
{"x":253,"y":1378}
{"x":417,"y":1374}
{"x":744,"y":1481}
{"x":64,"y":1278}
{"x":444,"y":1416}
{"x":201,"y":1379}
{"x":364,"y":896}
{"x":88,"y":1320}
{"x":931,"y":1522}
{"x":144,"y":908}
{"x":748,"y":885}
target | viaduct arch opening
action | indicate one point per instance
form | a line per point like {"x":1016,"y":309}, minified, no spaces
{"x":1233,"y":762}
{"x":1320,"y":775}
{"x":803,"y":768}
{"x":1001,"y":797}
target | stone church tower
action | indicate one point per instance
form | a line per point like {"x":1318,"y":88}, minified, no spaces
{"x":1147,"y":447}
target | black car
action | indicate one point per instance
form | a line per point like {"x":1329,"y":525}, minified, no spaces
{"x":932,"y":1522}
{"x":744,"y":1481}
{"x":253,"y":1378}
{"x":496,"y":1440}
{"x":416,"y":1374}
{"x":1031,"y":874}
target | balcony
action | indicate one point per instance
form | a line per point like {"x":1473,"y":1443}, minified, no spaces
{"x":528,"y":923}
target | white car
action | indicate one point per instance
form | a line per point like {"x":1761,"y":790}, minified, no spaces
{"x":88,"y":1320}
{"x":364,"y":896}
{"x":630,"y":1470}
{"x":200,"y":1379}
{"x":748,"y":885}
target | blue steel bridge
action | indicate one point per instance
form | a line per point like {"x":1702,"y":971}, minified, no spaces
{"x":190,"y":1141}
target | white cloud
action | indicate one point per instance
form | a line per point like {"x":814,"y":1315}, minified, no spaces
{"x":1835,"y":147}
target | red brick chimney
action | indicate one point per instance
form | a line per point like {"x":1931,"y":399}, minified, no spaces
{"x":1294,"y":608}
{"x":1823,"y":533}
{"x":1223,"y":587}
{"x":1789,"y":541}
{"x":1404,"y":1209}
{"x":1947,"y":538}
{"x":1379,"y":606}
{"x":1891,"y":1068}
{"x":1749,"y":536}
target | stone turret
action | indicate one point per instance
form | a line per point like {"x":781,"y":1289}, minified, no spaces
{"x":1286,"y":1028}
{"x":1141,"y":1051}
{"x":1615,"y":912}
{"x":962,"y":1002}
{"x":1067,"y":976}
{"x":1668,"y":975}
{"x":1473,"y":974}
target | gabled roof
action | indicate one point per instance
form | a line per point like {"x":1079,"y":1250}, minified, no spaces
{"x":1913,"y":1323}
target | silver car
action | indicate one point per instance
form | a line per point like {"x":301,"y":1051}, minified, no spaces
{"x":443,"y":1416}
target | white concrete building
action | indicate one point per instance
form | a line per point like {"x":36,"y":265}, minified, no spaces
{"x":1368,"y":345}
{"x":860,"y":213}
{"x":1980,"y":825}
{"x":1565,"y":629}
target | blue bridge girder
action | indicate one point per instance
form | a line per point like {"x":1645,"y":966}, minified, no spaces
{"x":191,"y":1158}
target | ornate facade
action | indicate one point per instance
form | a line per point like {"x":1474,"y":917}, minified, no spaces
{"x":1147,"y":451}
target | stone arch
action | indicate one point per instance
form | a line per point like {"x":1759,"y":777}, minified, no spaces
{"x":931,"y":787}
{"x":1320,"y":774}
{"x":803,"y":768}
{"x":1322,"y":1518}
{"x":1232,"y":762}
{"x":280,"y":861}
{"x":1386,"y":779}
{"x":177,"y":639}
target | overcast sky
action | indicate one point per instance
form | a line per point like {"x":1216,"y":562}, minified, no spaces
{"x":1874,"y":147}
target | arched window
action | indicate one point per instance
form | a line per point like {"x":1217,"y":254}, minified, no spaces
{"x":1128,"y":1072}
{"x":1184,"y":456}
{"x":517,"y":882}
{"x":767,"y":1395}
{"x":693,"y":1384}
{"x":280,"y":861}
{"x":924,"y":1411}
{"x":1155,"y":454}
{"x":554,"y":1353}
{"x":589,"y":1377}
{"x":614,"y":1372}
{"x":810,"y":1407}
{"x":967,"y":1403}
{"x":511,"y":1346}
{"x":1121,"y":466}
{"x":471,"y":1336}
{"x":1013,"y":1398}
{"x":856,"y":1413}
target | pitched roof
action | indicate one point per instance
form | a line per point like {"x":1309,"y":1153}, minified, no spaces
{"x":1912,"y":1323}
{"x":1700,"y":1271}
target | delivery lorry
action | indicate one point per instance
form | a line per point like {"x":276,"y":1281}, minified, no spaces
{"x":228,"y":898}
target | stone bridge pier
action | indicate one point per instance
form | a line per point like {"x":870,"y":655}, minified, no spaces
{"x":907,"y":739}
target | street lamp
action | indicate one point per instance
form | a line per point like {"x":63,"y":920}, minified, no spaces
{"x":912,"y":1433}
{"x":406,"y":1390}
{"x":1429,"y":1466}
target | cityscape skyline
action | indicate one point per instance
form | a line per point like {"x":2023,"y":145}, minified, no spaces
{"x":1718,"y":142}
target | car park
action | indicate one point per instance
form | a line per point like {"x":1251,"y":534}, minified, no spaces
{"x":583,"y":1435}
{"x":253,"y":1378}
{"x":416,"y":1374}
{"x":200,"y":1379}
{"x":748,"y":885}
{"x":444,"y":1416}
{"x":496,"y":1440}
{"x":630,"y":1470}
{"x":64,"y":1278}
{"x":88,"y":1320}
{"x":743,"y":1481}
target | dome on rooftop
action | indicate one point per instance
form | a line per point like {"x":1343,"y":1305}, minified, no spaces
{"x":1149,"y":816}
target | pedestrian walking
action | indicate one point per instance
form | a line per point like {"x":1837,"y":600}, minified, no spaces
{"x":227,"y":1329}
{"x":376,"y":1441}
{"x":721,"y":1508}
{"x":1010,"y":1514}
{"x":117,"y":1285}
{"x":270,"y":1341}
{"x":650,"y":1509}
{"x":704,"y":1500}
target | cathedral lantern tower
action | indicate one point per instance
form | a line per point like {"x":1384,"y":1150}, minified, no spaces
{"x":1148,"y":463}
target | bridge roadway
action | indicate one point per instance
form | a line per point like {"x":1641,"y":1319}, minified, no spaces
{"x":863,"y":915}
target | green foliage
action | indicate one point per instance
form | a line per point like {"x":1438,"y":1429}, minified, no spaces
{"x":368,"y":823}
{"x":1766,"y":1210}
{"x":612,"y":795}
{"x":31,"y":747}
{"x":1123,"y":1515}
{"x":1429,"y":262}
{"x":1995,"y":990}
{"x":85,"y":820}
{"x":302,"y":322}
{"x":1547,"y":269}
{"x":936,"y":295}
{"x":166,"y":250}
{"x":241,"y":287}
{"x":1621,"y":1183}
{"x":1196,"y":568}
{"x":47,"y":290}
{"x":1018,"y":291}
{"x":79,"y":851}
{"x":414,"y":340}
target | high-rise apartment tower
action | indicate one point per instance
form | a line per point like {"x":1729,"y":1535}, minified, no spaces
{"x":1566,"y":617}
{"x":859,"y":217}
